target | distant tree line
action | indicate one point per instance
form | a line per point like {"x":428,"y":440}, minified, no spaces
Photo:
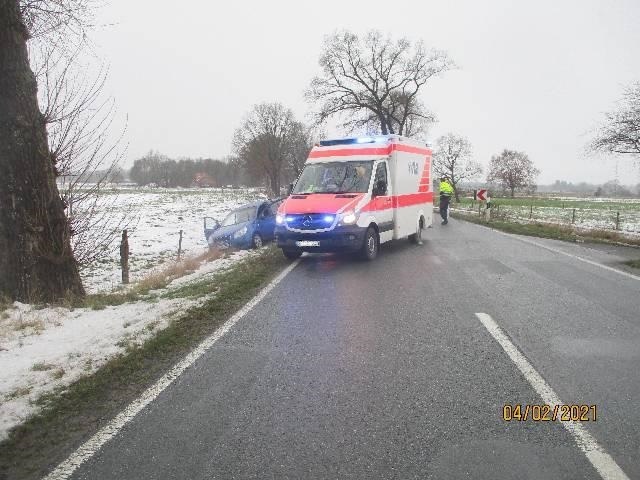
{"x":161,"y":171}
{"x":612,"y":188}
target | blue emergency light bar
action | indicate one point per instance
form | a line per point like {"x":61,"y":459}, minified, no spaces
{"x":351,"y":141}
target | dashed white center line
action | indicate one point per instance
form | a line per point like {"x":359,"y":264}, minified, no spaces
{"x":599,"y":458}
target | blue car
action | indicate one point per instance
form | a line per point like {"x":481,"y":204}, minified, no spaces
{"x":248,"y":226}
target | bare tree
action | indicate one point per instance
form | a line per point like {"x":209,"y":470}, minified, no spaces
{"x":374,"y":82}
{"x":301,"y":142}
{"x":37,"y":261}
{"x":452,"y":158}
{"x":265,"y":141}
{"x":149,"y":169}
{"x":57,"y":20}
{"x":513,"y":170}
{"x":79,"y":123}
{"x":620,"y":132}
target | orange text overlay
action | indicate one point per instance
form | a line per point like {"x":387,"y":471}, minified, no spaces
{"x":549,"y":413}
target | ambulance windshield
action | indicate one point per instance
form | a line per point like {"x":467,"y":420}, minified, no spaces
{"x":335,"y":177}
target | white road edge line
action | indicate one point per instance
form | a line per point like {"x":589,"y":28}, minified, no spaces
{"x":106,"y":433}
{"x":555,"y":250}
{"x":599,"y":458}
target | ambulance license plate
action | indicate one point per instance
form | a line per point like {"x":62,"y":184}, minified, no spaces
{"x":307,"y":243}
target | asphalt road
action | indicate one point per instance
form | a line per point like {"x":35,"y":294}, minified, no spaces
{"x":382,"y":370}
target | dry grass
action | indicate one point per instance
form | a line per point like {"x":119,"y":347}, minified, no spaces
{"x":42,"y":367}
{"x":154,"y":280}
{"x":19,"y":392}
{"x":34,"y":325}
{"x":160,"y":279}
{"x":5,"y":302}
{"x":610,"y":236}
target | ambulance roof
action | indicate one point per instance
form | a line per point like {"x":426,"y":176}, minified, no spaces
{"x":364,"y":148}
{"x":368,"y":140}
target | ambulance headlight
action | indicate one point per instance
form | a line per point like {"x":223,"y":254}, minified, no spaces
{"x":279,"y":219}
{"x":348,"y":218}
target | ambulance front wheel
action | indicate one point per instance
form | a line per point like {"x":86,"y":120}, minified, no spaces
{"x":291,"y":254}
{"x":371,"y":244}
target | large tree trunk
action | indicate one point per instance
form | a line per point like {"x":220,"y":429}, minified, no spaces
{"x":36,"y":261}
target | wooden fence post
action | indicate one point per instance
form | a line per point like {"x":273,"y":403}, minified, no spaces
{"x":617,"y":220}
{"x":531,"y":211}
{"x":573,"y":216}
{"x":124,"y":257}
{"x":180,"y":246}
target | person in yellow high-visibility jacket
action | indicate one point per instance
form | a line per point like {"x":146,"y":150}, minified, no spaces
{"x":446,"y":191}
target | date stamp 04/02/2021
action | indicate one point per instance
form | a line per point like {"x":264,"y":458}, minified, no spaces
{"x":549,"y":413}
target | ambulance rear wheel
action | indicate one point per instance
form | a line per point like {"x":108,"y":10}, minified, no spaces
{"x":417,"y":237}
{"x":371,"y":244}
{"x":291,"y":254}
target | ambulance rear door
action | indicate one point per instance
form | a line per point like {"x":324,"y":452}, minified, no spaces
{"x":408,"y":170}
{"x":382,"y":200}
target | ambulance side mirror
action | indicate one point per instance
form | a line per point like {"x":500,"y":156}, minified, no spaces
{"x":379,"y":188}
{"x":290,"y":189}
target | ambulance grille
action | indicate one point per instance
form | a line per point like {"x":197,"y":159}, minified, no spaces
{"x":309,"y":221}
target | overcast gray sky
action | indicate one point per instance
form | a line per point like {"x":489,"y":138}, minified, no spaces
{"x":533,"y":76}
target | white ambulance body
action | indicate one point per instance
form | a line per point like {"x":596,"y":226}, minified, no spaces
{"x":356,"y":193}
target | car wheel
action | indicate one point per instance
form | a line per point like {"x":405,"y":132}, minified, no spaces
{"x":371,"y":244}
{"x":292,"y":254}
{"x":256,"y":241}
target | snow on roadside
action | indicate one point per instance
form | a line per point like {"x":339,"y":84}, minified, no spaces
{"x":42,"y":349}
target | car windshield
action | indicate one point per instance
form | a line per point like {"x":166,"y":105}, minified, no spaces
{"x":239,"y":216}
{"x":335,"y":177}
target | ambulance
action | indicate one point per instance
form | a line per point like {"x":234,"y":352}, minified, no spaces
{"x":355,"y":194}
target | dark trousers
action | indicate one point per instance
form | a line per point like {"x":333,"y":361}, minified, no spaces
{"x":444,"y":206}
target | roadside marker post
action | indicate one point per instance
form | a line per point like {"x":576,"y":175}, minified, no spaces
{"x":124,"y":257}
{"x":482,"y":195}
{"x":487,"y":211}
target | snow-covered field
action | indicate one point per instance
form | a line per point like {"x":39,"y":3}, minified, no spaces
{"x":155,"y":218}
{"x":596,"y":214}
{"x":45,"y":348}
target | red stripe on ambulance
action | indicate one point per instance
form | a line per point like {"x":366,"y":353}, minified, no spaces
{"x":347,"y":152}
{"x":398,"y":201}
